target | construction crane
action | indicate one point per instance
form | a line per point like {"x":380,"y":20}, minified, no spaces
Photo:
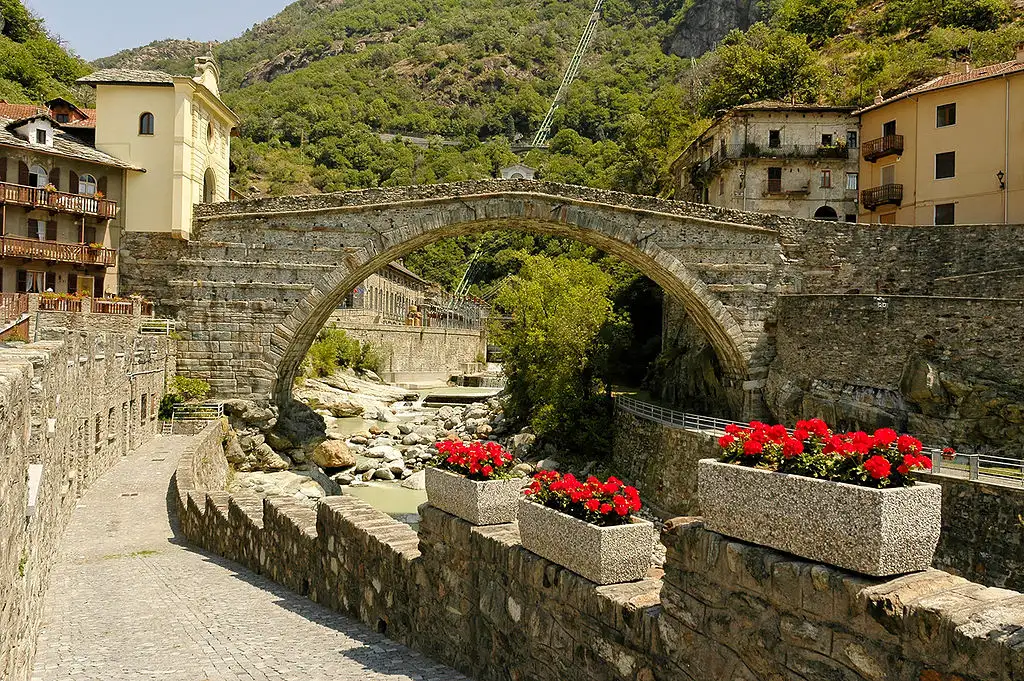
{"x":570,"y":74}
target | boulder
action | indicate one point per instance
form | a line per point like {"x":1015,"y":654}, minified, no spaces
{"x":548,"y":465}
{"x":404,"y":428}
{"x":298,"y":455}
{"x":333,"y":454}
{"x":416,"y":481}
{"x":269,"y":460}
{"x":278,"y":441}
{"x":359,"y":440}
{"x":397,"y":468}
{"x":386,"y":452}
{"x":365,"y":465}
{"x":412,"y":439}
{"x":233,"y":450}
{"x":383,"y":474}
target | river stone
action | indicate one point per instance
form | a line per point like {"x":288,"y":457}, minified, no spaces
{"x":366,"y":465}
{"x":278,"y":441}
{"x":343,"y":478}
{"x":333,"y":454}
{"x":384,"y":474}
{"x":548,"y":465}
{"x":397,"y":468}
{"x":269,"y":460}
{"x":359,"y":440}
{"x":412,"y":439}
{"x":445,"y":413}
{"x":415,"y":481}
{"x":404,"y":428}
{"x":878,"y":532}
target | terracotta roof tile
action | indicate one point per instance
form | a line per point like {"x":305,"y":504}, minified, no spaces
{"x":954,"y":79}
{"x":16,"y":111}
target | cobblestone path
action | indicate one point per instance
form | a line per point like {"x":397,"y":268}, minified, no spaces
{"x":128,"y":602}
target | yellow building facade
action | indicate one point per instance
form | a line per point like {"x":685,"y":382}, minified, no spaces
{"x":178,"y":129}
{"x":950,"y":151}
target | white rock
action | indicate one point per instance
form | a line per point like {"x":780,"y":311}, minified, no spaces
{"x":548,"y":465}
{"x":384,"y":474}
{"x":416,"y":481}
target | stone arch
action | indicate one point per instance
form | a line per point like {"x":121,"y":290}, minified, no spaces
{"x":209,"y":186}
{"x":296,"y":333}
{"x":826,"y":213}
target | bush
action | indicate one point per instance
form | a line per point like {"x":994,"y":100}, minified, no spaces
{"x":816,"y":19}
{"x":981,"y":15}
{"x":182,"y":390}
{"x":333,"y":349}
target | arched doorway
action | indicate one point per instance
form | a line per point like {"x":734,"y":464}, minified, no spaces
{"x":209,"y":186}
{"x":826,"y":213}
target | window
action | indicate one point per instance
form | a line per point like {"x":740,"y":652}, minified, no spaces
{"x":851,"y":139}
{"x":888,"y":128}
{"x":945,"y":214}
{"x":40,"y":136}
{"x":62,"y":118}
{"x":826,"y":179}
{"x":721,"y":186}
{"x":37,"y":177}
{"x":826,"y":140}
{"x":36,"y":229}
{"x":209,"y":143}
{"x":774,"y":180}
{"x":87,"y":185}
{"x":889,"y":174}
{"x":146,"y":124}
{"x":945,"y":115}
{"x":774,"y":139}
{"x":945,"y":165}
{"x":30,"y":281}
{"x":850,"y":217}
{"x":209,"y":186}
{"x":144,"y":412}
{"x":852,"y":181}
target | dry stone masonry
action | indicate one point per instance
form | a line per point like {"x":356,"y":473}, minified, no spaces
{"x":475,"y":599}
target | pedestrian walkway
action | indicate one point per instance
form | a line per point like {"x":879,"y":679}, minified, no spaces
{"x":128,"y":602}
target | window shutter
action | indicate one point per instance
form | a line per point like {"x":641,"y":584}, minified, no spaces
{"x":51,"y":281}
{"x":101,"y":185}
{"x":90,"y":234}
{"x":20,"y":286}
{"x":98,"y":286}
{"x":51,"y":230}
{"x":72,"y":182}
{"x":3,"y":168}
{"x":22,"y":173}
{"x":55,"y":177}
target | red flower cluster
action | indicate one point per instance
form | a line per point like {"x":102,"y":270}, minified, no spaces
{"x":602,"y":503}
{"x":948,"y":453}
{"x":475,"y":460}
{"x":882,"y":459}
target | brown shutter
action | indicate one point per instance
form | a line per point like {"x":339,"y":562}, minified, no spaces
{"x":22,"y":173}
{"x":20,"y":282}
{"x":90,"y":234}
{"x":3,"y":168}
{"x":55,"y":177}
{"x":51,"y":230}
{"x":101,"y":185}
{"x":51,"y":281}
{"x":72,"y":182}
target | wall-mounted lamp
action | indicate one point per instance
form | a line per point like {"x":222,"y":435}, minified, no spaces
{"x":1002,"y":176}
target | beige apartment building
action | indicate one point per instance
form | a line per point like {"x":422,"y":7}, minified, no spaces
{"x":948,"y":151}
{"x":775,"y":157}
{"x":178,"y":129}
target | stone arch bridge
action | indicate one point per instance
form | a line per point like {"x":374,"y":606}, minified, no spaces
{"x":259,"y":278}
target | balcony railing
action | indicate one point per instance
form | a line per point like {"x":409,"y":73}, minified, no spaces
{"x":890,"y":145}
{"x":12,"y":306}
{"x":700,"y":172}
{"x":54,"y":251}
{"x":881,"y":196}
{"x":34,"y":197}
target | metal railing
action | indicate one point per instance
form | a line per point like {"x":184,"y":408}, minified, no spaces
{"x":190,"y":419}
{"x":975,"y":467}
{"x":157,"y":327}
{"x":880,"y":196}
{"x":80,"y":204}
{"x":883,"y":146}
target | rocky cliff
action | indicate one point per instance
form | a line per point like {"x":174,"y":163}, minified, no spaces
{"x":707,"y":21}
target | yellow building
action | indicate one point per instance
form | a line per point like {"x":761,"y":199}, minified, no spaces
{"x":178,"y":129}
{"x":948,"y":151}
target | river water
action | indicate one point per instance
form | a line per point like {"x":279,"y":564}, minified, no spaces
{"x":390,"y":497}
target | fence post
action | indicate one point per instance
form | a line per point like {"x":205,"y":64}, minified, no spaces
{"x":936,"y":461}
{"x":975,"y":461}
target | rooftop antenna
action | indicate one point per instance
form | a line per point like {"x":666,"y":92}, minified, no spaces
{"x":570,"y":74}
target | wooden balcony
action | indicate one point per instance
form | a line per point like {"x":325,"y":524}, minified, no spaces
{"x":33,"y":197}
{"x":881,"y":196}
{"x":890,"y":145}
{"x":53,"y":251}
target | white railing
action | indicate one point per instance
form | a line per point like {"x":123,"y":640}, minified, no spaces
{"x":190,"y":419}
{"x":978,"y":467}
{"x":157,"y":327}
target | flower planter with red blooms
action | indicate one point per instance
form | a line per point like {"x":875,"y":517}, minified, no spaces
{"x":847,"y":499}
{"x":587,"y":526}
{"x":476,"y":482}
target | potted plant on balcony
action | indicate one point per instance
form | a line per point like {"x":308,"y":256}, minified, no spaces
{"x":475,"y":481}
{"x":848,"y":499}
{"x":587,"y":526}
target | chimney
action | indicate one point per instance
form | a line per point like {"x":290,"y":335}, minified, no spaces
{"x":1020,"y":52}
{"x":967,"y":67}
{"x":879,"y":98}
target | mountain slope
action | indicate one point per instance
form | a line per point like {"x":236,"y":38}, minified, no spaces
{"x":170,"y":56}
{"x":33,"y":67}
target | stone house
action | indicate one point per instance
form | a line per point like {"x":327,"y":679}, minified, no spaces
{"x":947,"y":151}
{"x":773,"y":157}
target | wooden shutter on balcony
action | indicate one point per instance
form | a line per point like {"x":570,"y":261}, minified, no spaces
{"x":101,"y":185}
{"x":51,"y":230}
{"x":19,"y":284}
{"x":55,"y":177}
{"x":22,"y":173}
{"x":72,"y":182}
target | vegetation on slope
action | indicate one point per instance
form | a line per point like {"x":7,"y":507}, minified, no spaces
{"x":33,"y":67}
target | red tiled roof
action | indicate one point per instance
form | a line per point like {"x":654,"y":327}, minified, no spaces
{"x":16,"y":111}
{"x":953,"y":79}
{"x":89,"y":122}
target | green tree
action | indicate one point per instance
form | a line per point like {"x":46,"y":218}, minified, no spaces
{"x":816,"y":19}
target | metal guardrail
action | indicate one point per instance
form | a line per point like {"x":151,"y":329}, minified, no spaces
{"x":157,"y":327}
{"x":189,"y":419}
{"x":975,"y":467}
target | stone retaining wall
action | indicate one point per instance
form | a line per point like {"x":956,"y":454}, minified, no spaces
{"x":74,"y":406}
{"x":474,"y":598}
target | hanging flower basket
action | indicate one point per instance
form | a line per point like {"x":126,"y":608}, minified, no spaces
{"x":587,"y":527}
{"x":475,"y":482}
{"x":846,"y":499}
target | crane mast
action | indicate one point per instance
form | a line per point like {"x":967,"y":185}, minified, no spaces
{"x":570,"y":74}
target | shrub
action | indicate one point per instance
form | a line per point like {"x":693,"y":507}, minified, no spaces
{"x":981,"y":15}
{"x":333,"y":349}
{"x":182,"y":390}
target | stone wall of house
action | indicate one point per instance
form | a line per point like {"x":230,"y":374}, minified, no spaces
{"x":474,"y":598}
{"x":661,"y":461}
{"x":73,"y":405}
{"x":417,"y":353}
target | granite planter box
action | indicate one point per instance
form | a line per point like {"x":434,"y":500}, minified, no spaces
{"x":605,"y":555}
{"x":878,"y":532}
{"x":490,"y":502}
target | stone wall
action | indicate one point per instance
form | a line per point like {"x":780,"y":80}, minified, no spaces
{"x":417,"y":353}
{"x":73,"y":405}
{"x":661,"y":461}
{"x":948,"y":370}
{"x":474,"y":598}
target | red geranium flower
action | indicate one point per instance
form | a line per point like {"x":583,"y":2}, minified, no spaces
{"x":878,"y":467}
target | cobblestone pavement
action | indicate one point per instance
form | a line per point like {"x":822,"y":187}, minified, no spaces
{"x":128,"y":603}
